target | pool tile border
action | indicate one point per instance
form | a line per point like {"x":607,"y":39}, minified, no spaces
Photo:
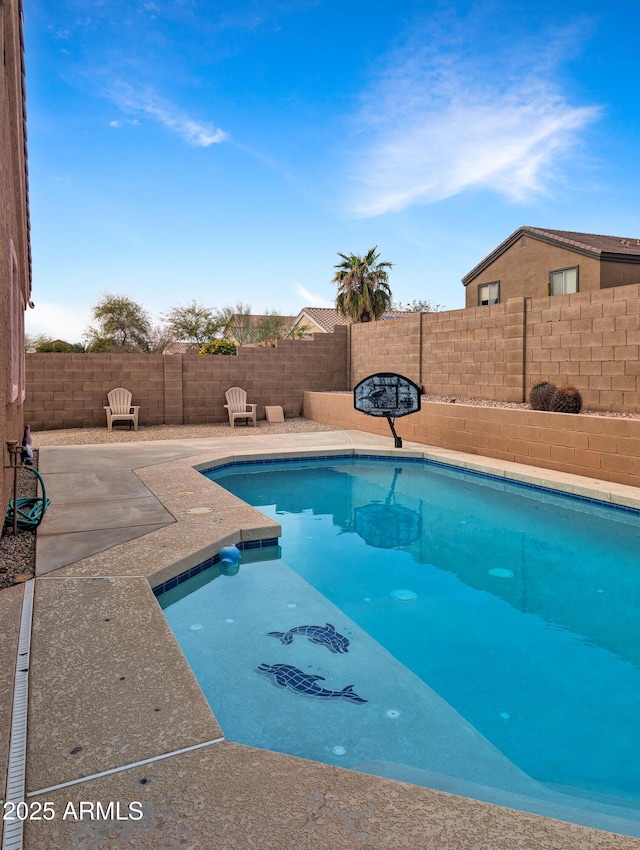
{"x":427,"y":461}
{"x":242,"y":545}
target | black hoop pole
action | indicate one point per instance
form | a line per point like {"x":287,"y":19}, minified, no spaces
{"x":387,"y":394}
{"x":397,"y":441}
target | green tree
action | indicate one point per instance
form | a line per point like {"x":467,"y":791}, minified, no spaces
{"x":59,"y":346}
{"x":219,"y":346}
{"x":193,"y":323}
{"x":236,"y":322}
{"x":33,"y":341}
{"x":98,"y":344}
{"x":363,"y":288}
{"x":419,"y":306}
{"x":270,"y":328}
{"x":159,"y":338}
{"x":273,"y":326}
{"x":123,"y":325}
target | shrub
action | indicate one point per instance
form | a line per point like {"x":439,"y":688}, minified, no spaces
{"x":219,"y":346}
{"x":59,"y":346}
{"x":540,"y":395}
{"x":566,"y":399}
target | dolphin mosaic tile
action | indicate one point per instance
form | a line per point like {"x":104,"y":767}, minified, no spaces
{"x":323,"y":635}
{"x":293,"y":679}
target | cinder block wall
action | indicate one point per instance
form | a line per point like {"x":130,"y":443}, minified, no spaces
{"x":589,"y":339}
{"x":478,"y":352}
{"x":391,"y":345}
{"x":70,"y":390}
{"x":599,"y":447}
{"x":276,"y":376}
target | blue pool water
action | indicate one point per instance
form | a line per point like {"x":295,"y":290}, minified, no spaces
{"x":492,"y":633}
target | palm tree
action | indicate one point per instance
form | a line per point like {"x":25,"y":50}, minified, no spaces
{"x":363,"y":288}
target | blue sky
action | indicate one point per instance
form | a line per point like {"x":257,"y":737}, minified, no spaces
{"x":187,"y":150}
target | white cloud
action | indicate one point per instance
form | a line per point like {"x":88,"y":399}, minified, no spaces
{"x":57,"y":322}
{"x":436,"y":125}
{"x":146,"y":102}
{"x":310,"y":299}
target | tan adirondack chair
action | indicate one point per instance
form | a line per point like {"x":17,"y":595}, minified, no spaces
{"x":120,"y":407}
{"x":237,"y":406}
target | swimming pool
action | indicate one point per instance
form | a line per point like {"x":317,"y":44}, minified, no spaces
{"x":491,"y":629}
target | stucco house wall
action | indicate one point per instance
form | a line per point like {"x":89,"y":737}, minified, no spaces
{"x":523,"y":271}
{"x":522,"y":264}
{"x":15,"y":276}
{"x":618,"y":274}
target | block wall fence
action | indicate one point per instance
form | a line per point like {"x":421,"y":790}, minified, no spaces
{"x":70,"y":390}
{"x":589,"y":339}
{"x":605,"y":448}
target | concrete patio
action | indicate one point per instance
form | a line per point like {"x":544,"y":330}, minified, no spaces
{"x":116,"y":715}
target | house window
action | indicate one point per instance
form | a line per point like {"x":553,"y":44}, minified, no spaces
{"x":489,"y":293}
{"x":563,"y":282}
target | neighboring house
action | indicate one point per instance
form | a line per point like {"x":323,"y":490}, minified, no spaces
{"x":533,"y":263}
{"x":15,"y":252}
{"x":317,"y":320}
{"x":324,"y":320}
{"x":180,"y":347}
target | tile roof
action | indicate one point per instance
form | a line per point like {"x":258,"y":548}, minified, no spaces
{"x":325,"y":317}
{"x":180,"y":347}
{"x":592,"y":244}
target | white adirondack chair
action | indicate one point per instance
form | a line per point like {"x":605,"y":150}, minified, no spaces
{"x":237,"y":406}
{"x":120,"y":407}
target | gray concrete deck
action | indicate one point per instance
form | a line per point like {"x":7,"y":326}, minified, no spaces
{"x":116,"y":715}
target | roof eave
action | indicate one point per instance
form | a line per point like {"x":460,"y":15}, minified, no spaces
{"x":541,"y":236}
{"x":611,"y":257}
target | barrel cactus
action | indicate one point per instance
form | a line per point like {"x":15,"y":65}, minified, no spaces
{"x":566,"y":399}
{"x":540,"y":395}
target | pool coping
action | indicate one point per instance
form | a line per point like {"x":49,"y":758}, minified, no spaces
{"x":285,"y":785}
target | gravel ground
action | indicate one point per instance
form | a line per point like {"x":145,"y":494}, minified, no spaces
{"x":486,"y":402}
{"x":18,"y":553}
{"x":87,"y":436}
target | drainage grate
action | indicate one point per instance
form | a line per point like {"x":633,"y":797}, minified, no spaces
{"x":13,"y":830}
